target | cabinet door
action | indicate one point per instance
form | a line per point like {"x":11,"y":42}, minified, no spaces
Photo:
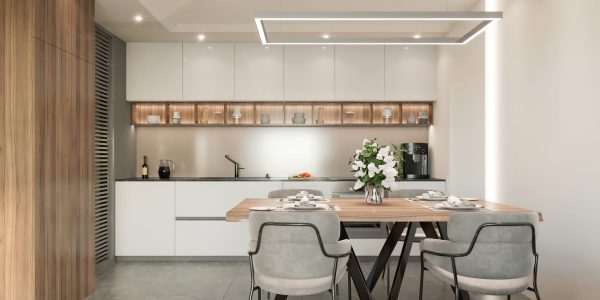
{"x":359,"y":73}
{"x":145,"y":218}
{"x":308,"y":73}
{"x":208,"y":71}
{"x":214,"y":198}
{"x":323,"y":186}
{"x":425,"y":185}
{"x":211,"y":238}
{"x":154,"y":71}
{"x":258,"y":72}
{"x":411,"y":73}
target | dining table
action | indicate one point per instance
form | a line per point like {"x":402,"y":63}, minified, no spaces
{"x":401,"y":213}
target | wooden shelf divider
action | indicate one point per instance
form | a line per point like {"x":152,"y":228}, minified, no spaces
{"x":326,"y":114}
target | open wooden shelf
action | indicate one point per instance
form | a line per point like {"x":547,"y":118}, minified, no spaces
{"x":417,"y":113}
{"x":246,"y":111}
{"x":273,"y":113}
{"x":210,"y":114}
{"x":317,"y":114}
{"x":303,"y":110}
{"x":386,"y":113}
{"x":357,"y":113}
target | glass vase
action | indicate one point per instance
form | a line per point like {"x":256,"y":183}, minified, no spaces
{"x":374,"y":194}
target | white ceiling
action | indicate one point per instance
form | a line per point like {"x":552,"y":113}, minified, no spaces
{"x":233,"y":20}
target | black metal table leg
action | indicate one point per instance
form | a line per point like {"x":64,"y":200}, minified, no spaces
{"x":429,"y":230}
{"x":443,"y":228}
{"x":385,"y":254}
{"x":404,"y":255}
{"x":280,"y":297}
{"x":355,"y":271}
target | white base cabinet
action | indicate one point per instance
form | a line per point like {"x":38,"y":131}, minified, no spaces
{"x":187,"y":218}
{"x":145,"y":219}
{"x":211,"y":238}
{"x":215,"y":198}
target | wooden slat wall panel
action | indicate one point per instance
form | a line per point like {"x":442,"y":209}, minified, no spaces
{"x":47,"y":111}
{"x":18,"y":195}
{"x":66,"y":24}
{"x":102,"y":145}
{"x":2,"y":175}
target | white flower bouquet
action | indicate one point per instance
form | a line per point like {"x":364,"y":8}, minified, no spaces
{"x":376,"y":168}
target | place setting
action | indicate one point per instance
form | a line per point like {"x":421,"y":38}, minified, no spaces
{"x":302,"y":201}
{"x":456,"y":204}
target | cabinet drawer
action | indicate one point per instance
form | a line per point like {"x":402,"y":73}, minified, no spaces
{"x":211,"y":238}
{"x":215,"y":198}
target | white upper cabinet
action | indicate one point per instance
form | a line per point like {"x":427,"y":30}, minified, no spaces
{"x":359,"y":73}
{"x":411,"y":73}
{"x":208,"y":71}
{"x":154,"y":71}
{"x":258,"y":72}
{"x":308,"y":73}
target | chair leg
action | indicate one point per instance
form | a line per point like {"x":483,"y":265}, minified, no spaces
{"x":259,"y":293}
{"x":456,"y":293}
{"x":251,"y":293}
{"x":507,"y":297}
{"x":422,"y":277}
{"x":268,"y":295}
{"x":349,"y":284}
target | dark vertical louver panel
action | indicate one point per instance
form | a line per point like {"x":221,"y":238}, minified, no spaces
{"x":102,"y":144}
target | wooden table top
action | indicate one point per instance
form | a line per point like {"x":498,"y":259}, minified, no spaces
{"x":357,"y":210}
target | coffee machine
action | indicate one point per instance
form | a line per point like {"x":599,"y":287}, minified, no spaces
{"x":416,"y":160}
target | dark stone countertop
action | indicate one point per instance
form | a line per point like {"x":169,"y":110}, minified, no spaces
{"x":258,"y":179}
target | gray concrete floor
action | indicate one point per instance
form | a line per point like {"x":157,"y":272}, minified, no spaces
{"x":231,"y":280}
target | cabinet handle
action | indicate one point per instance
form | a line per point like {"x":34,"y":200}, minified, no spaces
{"x":200,"y":219}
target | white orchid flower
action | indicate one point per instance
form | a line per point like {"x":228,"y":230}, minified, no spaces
{"x":359,"y":184}
{"x":373,"y":170}
{"x":354,"y":167}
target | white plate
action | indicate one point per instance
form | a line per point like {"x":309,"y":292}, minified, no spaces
{"x":450,"y":207}
{"x":312,"y":198}
{"x":298,"y":207}
{"x":433,"y":198}
{"x":261,"y":208}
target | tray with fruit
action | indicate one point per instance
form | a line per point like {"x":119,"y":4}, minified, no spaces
{"x":301,"y":176}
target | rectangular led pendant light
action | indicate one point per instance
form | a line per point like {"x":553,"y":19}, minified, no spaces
{"x":484,"y":17}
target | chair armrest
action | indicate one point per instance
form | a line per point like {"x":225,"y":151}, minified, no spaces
{"x":339,"y":249}
{"x":443,"y":247}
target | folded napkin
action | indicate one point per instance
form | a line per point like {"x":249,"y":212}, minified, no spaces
{"x":457,"y":202}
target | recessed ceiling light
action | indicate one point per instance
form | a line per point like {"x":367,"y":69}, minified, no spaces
{"x":266,"y":47}
{"x":417,"y":36}
{"x":209,"y":47}
{"x":326,"y":36}
{"x":324,"y":48}
{"x":405,"y":48}
{"x":201,"y":37}
{"x":138,"y":18}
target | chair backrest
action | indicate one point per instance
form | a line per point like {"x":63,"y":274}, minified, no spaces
{"x":500,"y":252}
{"x":407,"y":193}
{"x":293,"y":252}
{"x":292,"y":192}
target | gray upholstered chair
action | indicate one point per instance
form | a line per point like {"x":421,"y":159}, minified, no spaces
{"x":296,"y":253}
{"x":487,"y":253}
{"x":292,"y":192}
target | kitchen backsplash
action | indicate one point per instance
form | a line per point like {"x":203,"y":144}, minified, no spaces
{"x":278,"y":151}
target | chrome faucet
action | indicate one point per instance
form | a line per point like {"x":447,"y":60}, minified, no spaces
{"x":236,"y":166}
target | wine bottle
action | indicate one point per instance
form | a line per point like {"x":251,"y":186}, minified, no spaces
{"x":145,"y":169}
